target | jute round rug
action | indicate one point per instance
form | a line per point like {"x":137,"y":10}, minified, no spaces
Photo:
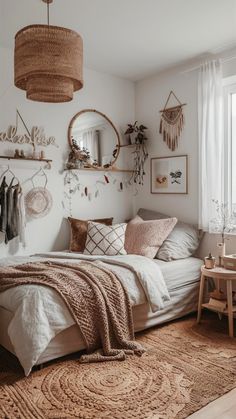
{"x":185,"y":367}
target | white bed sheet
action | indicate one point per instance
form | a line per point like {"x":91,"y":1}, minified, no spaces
{"x":182,"y":279}
{"x":178,"y":275}
{"x":39,"y":313}
{"x":141,"y":277}
{"x":183,"y":301}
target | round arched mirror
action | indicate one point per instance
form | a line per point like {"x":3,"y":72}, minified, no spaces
{"x":92,"y":131}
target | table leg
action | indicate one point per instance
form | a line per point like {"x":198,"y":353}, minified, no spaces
{"x":200,"y":298}
{"x":230,"y":308}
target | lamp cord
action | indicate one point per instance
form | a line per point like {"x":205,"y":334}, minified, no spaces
{"x":48,"y":12}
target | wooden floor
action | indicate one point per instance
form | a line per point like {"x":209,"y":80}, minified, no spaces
{"x":222,"y":408}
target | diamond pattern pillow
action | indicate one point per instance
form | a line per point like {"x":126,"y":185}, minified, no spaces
{"x":105,"y":240}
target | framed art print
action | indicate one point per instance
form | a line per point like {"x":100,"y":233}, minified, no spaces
{"x":169,"y":175}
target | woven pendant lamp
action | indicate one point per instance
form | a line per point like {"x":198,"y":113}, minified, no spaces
{"x":48,"y":62}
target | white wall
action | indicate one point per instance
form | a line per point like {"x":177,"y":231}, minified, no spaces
{"x":112,"y":96}
{"x":122,"y":102}
{"x":151,"y":95}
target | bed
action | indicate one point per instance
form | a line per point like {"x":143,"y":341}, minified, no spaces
{"x":181,"y":278}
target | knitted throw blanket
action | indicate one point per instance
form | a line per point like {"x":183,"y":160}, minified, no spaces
{"x":96,"y":299}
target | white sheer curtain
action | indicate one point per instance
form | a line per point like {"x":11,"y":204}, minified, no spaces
{"x":211,"y":143}
{"x":90,"y":141}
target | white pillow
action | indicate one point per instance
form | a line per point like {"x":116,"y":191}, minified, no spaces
{"x":105,"y":240}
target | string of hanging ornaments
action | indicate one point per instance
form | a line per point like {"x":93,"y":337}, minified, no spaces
{"x":172,"y":123}
{"x":74,"y":186}
{"x":48,"y":62}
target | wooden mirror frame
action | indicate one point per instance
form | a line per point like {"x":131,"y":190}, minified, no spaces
{"x":108,"y":120}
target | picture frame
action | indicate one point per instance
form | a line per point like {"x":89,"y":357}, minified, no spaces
{"x":169,"y":175}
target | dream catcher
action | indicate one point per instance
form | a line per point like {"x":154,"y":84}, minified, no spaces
{"x":172,"y":123}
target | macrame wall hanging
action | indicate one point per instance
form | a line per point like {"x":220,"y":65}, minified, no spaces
{"x":172,"y":122}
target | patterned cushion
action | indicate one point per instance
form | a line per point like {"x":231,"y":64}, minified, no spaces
{"x":105,"y":240}
{"x":79,"y":230}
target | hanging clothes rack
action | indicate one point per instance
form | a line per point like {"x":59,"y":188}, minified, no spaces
{"x":41,"y":170}
{"x":8,"y":170}
{"x":48,"y":161}
{"x":43,"y":173}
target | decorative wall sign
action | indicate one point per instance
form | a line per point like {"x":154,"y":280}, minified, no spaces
{"x":169,"y":175}
{"x":36,"y":137}
{"x":172,"y":123}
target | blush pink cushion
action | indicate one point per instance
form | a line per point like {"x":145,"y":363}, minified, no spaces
{"x":146,"y":237}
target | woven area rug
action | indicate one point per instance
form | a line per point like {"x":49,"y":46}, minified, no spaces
{"x":185,"y":367}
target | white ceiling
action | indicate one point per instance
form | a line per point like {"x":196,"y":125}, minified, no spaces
{"x":132,"y":38}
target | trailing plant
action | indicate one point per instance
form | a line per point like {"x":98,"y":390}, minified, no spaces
{"x":137,"y":132}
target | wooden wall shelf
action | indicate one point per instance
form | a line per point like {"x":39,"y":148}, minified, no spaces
{"x":25,"y":158}
{"x":127,"y":145}
{"x":102,"y":169}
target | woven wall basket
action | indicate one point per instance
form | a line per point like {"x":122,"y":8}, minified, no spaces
{"x":48,"y":63}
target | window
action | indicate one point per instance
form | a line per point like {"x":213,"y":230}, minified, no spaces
{"x":233,"y":151}
{"x":230,"y":143}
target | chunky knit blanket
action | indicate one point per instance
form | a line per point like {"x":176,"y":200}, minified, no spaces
{"x":96,"y":299}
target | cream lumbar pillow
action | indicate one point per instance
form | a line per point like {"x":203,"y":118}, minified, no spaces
{"x":105,"y":240}
{"x":146,"y":237}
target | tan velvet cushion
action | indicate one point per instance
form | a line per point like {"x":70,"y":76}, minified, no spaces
{"x":79,"y":230}
{"x":146,"y":237}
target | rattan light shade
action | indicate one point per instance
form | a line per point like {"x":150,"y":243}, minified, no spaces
{"x":48,"y":63}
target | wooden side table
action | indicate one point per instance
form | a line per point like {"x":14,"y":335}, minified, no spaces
{"x":219,"y":274}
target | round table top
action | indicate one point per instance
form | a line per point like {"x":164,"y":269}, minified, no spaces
{"x":219,"y":272}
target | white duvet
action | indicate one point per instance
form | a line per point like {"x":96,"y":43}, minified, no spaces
{"x":39,"y":313}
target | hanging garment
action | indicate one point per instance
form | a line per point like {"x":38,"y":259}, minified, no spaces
{"x":3,"y":205}
{"x":12,"y":228}
{"x":22,"y":219}
{"x":15,"y":220}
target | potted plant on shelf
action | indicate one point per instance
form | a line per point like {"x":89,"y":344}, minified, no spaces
{"x":136,"y":133}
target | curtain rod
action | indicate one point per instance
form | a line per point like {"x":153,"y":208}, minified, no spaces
{"x":223,"y":60}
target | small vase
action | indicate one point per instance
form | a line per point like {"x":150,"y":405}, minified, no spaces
{"x":133,"y":138}
{"x":210,"y":261}
{"x":221,"y":253}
